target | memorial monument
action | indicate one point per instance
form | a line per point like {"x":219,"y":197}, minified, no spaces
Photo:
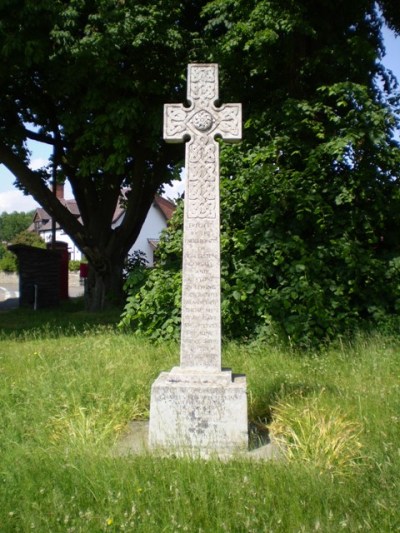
{"x":198,"y":408}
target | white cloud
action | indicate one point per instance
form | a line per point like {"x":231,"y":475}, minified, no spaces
{"x":15,"y":200}
{"x":38,"y":162}
{"x":174,"y":190}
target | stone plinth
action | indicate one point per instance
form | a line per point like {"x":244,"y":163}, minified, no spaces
{"x":199,"y":414}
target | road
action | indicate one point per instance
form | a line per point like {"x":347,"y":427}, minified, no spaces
{"x":9,"y":294}
{"x":8,"y":291}
{"x":9,"y":297}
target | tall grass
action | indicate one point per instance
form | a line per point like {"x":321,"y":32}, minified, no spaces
{"x":66,"y":398}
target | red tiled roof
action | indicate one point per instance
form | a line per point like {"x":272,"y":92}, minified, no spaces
{"x":166,"y":206}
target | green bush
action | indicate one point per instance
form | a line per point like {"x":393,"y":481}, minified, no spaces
{"x":8,"y":262}
{"x":154,"y":295}
{"x":29,"y":238}
{"x":310,"y":202}
{"x":153,"y":303}
{"x":74,"y":265}
{"x":304,"y":271}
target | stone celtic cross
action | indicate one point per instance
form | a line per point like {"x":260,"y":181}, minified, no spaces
{"x":199,"y":408}
{"x":202,"y":122}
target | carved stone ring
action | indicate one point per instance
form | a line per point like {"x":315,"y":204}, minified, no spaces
{"x":202,"y":120}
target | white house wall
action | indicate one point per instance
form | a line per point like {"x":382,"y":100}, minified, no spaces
{"x":74,"y":252}
{"x":153,"y":225}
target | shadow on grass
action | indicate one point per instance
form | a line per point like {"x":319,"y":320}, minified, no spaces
{"x":69,"y":319}
{"x":262,"y":409}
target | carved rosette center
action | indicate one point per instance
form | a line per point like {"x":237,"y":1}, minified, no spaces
{"x":202,"y":121}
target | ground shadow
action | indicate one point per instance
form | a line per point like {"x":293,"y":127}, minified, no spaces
{"x":67,"y":320}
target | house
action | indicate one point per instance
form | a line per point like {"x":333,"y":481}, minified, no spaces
{"x":42,"y":224}
{"x":157,"y":218}
{"x":160,"y":212}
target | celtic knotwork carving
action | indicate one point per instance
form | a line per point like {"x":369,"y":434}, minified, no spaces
{"x":230,"y":121}
{"x":202,"y":121}
{"x":196,"y":151}
{"x":203,"y":83}
{"x":176,"y":120}
{"x":202,"y":199}
{"x":198,"y":190}
{"x":203,"y":172}
{"x":202,"y":177}
{"x":202,"y":209}
{"x":202,"y":151}
{"x":209,"y":153}
{"x":203,"y":74}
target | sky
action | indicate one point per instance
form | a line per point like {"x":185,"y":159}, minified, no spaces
{"x":12,"y":199}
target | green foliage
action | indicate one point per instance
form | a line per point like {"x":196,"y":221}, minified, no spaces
{"x":13,"y":223}
{"x":29,"y":238}
{"x":154,"y":295}
{"x":8,"y":260}
{"x":89,"y":79}
{"x":135,"y":268}
{"x":74,"y":265}
{"x":153,"y":307}
{"x":69,"y":391}
{"x":3,"y":249}
{"x":310,"y":200}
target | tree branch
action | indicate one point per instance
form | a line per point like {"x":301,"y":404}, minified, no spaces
{"x":40,"y":137}
{"x":44,"y":196}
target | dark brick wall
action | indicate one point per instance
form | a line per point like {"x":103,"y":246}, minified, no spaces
{"x":40,"y":268}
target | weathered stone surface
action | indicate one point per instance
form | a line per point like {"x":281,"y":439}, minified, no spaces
{"x":197,"y":406}
{"x":202,"y":121}
{"x":199,"y":418}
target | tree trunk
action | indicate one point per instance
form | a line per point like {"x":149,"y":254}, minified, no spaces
{"x":104,"y":285}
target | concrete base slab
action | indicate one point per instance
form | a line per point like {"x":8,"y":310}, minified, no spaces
{"x":135,"y":441}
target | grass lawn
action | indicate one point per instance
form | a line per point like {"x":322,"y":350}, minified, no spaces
{"x":70,"y":383}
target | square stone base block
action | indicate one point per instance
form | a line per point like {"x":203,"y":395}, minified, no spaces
{"x":199,"y":414}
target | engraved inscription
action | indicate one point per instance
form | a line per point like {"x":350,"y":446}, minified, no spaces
{"x":202,"y":121}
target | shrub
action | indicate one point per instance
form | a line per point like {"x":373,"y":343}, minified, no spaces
{"x":153,"y":304}
{"x":74,"y":265}
{"x":134,"y":263}
{"x":8,"y":262}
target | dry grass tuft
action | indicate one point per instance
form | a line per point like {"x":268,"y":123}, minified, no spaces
{"x":321,"y":437}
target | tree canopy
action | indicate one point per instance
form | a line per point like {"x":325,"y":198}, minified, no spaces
{"x":8,"y":260}
{"x":310,"y":200}
{"x":89,"y":79}
{"x":13,"y":223}
{"x":13,"y":228}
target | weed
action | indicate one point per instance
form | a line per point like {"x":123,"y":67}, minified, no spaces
{"x":307,"y":432}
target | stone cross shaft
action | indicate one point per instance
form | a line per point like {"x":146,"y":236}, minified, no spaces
{"x":201,"y":122}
